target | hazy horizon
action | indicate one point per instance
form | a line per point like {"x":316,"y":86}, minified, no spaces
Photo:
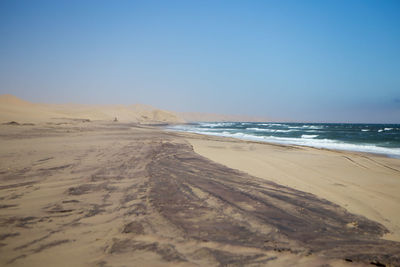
{"x":311,"y":61}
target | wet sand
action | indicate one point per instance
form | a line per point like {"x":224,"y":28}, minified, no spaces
{"x":112,"y":194}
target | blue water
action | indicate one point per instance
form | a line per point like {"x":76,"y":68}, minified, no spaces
{"x":372,"y":138}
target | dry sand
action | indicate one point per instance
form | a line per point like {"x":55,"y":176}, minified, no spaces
{"x":82,"y":193}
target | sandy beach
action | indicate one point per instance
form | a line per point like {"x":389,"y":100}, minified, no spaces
{"x":84,"y":193}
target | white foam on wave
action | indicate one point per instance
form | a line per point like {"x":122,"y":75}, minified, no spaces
{"x":313,"y":127}
{"x":217,"y":124}
{"x":284,"y":131}
{"x":388,"y":129}
{"x":365,"y":130}
{"x":273,"y":124}
{"x":260,"y":130}
{"x":307,"y":127}
{"x":270,"y":130}
{"x":311,"y":142}
{"x":312,"y":131}
{"x":309,"y":136}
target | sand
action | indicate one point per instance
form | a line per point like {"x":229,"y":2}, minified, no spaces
{"x":84,"y":193}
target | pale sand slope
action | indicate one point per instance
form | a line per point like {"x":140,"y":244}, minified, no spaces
{"x":362,"y":183}
{"x":15,"y":109}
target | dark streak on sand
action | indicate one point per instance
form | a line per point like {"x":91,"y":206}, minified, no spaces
{"x":51,"y":244}
{"x":167,"y":252}
{"x":155,"y":185}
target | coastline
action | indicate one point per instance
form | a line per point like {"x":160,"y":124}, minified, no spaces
{"x":320,"y":136}
{"x":102,"y":193}
{"x":233,"y":139}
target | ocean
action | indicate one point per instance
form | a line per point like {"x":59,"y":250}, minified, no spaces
{"x":371,"y":138}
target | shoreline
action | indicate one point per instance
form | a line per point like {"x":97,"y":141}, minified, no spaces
{"x":329,"y":144}
{"x":233,"y":139}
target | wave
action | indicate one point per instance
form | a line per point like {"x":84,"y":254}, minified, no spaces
{"x":314,"y":127}
{"x":365,"y":130}
{"x":284,"y":131}
{"x":273,"y":124}
{"x":307,"y":127}
{"x":312,"y":131}
{"x":216,"y":124}
{"x":388,"y":129}
{"x":309,"y":136}
{"x":260,"y":130}
{"x":270,"y":130}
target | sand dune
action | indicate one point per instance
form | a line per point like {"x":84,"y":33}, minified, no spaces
{"x":15,"y":109}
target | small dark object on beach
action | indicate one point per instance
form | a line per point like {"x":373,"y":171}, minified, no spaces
{"x":377,"y":263}
{"x":11,"y":123}
{"x":133,"y":227}
{"x":115,"y":119}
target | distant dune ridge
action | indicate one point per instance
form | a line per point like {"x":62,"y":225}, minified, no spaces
{"x":15,"y":109}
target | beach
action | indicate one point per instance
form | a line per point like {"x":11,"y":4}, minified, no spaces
{"x":97,"y":193}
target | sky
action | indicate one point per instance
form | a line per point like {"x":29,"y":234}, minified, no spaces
{"x":322,"y":61}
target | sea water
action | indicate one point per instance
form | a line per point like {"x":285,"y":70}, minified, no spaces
{"x":372,"y":138}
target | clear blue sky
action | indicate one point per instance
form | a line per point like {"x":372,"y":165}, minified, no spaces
{"x":300,"y":60}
